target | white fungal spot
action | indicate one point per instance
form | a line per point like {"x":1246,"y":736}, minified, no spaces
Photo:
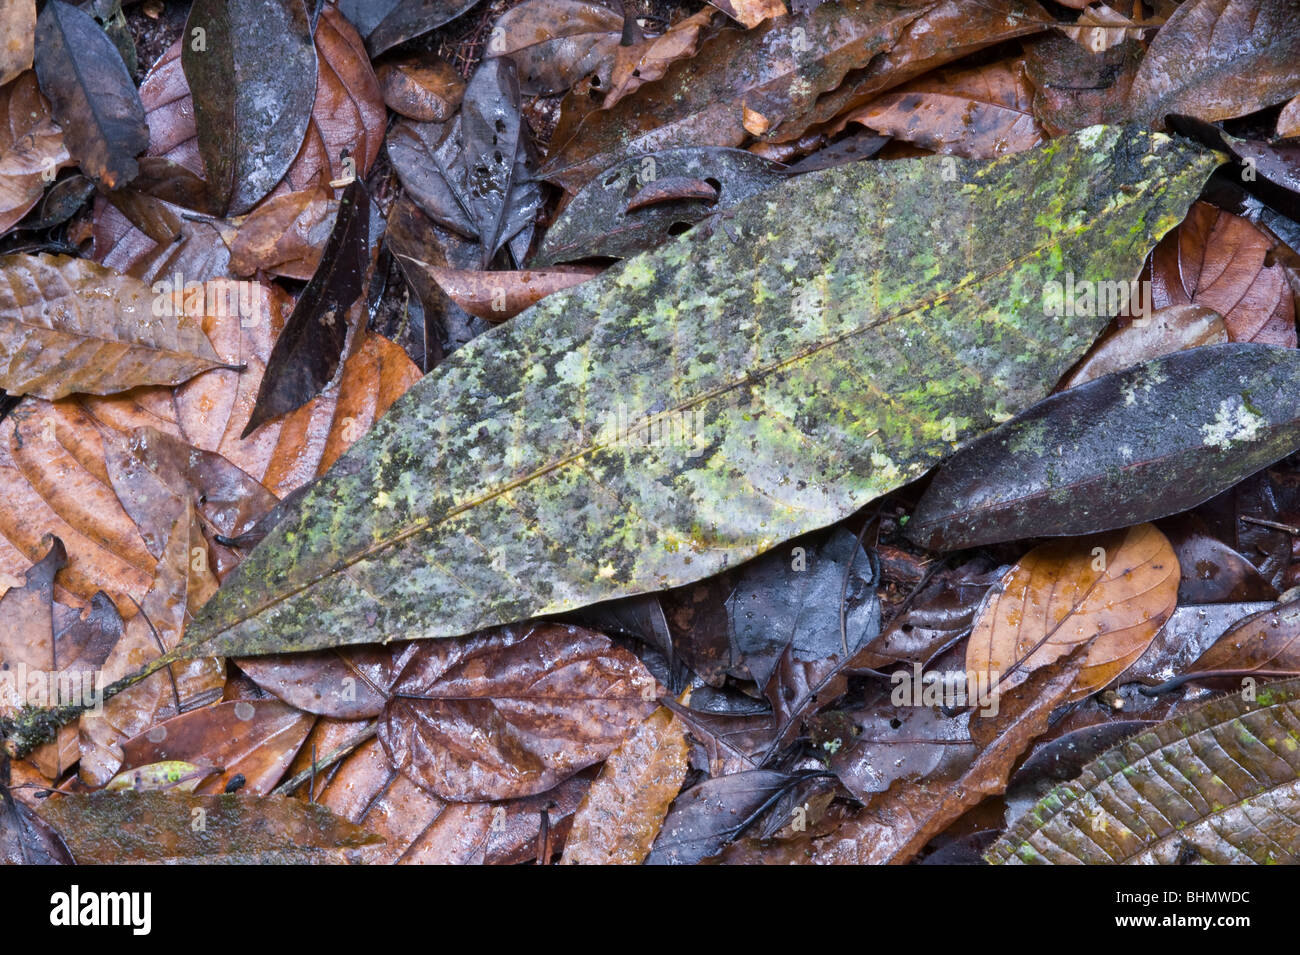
{"x":1233,"y":422}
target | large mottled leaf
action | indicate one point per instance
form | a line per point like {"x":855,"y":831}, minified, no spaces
{"x":92,"y":94}
{"x":1216,"y":59}
{"x":1217,"y":784}
{"x":253,"y":79}
{"x":696,"y":405}
{"x":173,"y":827}
{"x":1207,"y":418}
{"x":1110,"y":593}
{"x":68,"y":325}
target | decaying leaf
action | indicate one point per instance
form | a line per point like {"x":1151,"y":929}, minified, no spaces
{"x":563,"y":470}
{"x":18,"y":20}
{"x":91,"y":94}
{"x":68,"y":325}
{"x":1110,"y":593}
{"x":386,"y":23}
{"x":618,"y":819}
{"x":287,"y":234}
{"x":1208,"y":417}
{"x":31,"y":148}
{"x":428,"y":91}
{"x":497,"y":296}
{"x":158,"y":826}
{"x":1216,"y":59}
{"x":511,"y":712}
{"x":555,"y":43}
{"x":1166,"y":330}
{"x":1218,"y":785}
{"x":1267,"y":643}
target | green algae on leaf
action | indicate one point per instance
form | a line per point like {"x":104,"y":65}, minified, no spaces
{"x":1218,"y":784}
{"x":699,"y":404}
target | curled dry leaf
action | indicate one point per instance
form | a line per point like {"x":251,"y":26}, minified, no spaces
{"x":425,"y":90}
{"x":1216,"y":59}
{"x":1167,"y":330}
{"x":512,"y":712}
{"x":18,"y":27}
{"x":157,"y":827}
{"x":1222,"y":261}
{"x":1110,"y":593}
{"x":91,"y":94}
{"x":981,"y":112}
{"x":497,"y":296}
{"x":620,"y":816}
{"x":68,"y":325}
{"x":31,"y":148}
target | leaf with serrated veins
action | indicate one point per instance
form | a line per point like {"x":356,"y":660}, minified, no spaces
{"x":68,"y":325}
{"x":700,"y":403}
{"x":1218,"y":784}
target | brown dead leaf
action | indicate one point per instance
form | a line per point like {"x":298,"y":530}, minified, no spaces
{"x":1223,"y":262}
{"x":497,"y":296}
{"x":751,"y":13}
{"x":1165,"y":331}
{"x":1111,"y":592}
{"x":18,"y":29}
{"x":31,"y":147}
{"x":1267,"y":642}
{"x":68,"y":325}
{"x":1288,"y":121}
{"x":512,"y":712}
{"x":428,"y":90}
{"x":555,"y":43}
{"x":286,"y":235}
{"x":980,"y":113}
{"x":620,"y":816}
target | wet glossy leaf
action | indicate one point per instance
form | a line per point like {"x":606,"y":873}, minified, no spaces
{"x":26,"y":838}
{"x":309,"y":348}
{"x":1217,"y":784}
{"x":599,"y":221}
{"x":1216,"y":59}
{"x":253,"y":82}
{"x":1188,"y":633}
{"x":1077,"y":87}
{"x":556,"y":484}
{"x":1208,"y":416}
{"x":1267,"y":642}
{"x":158,"y":827}
{"x":619,"y":817}
{"x":91,"y":94}
{"x":701,"y":100}
{"x":68,"y":325}
{"x":1110,"y":593}
{"x":708,"y":816}
{"x":170,"y":774}
{"x":511,"y":712}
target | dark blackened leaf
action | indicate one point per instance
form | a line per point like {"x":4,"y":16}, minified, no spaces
{"x":705,"y":818}
{"x":1270,"y":171}
{"x":91,"y":93}
{"x":251,"y":68}
{"x":1212,"y":572}
{"x":1129,"y":447}
{"x":1188,"y":633}
{"x":386,"y":23}
{"x":1266,"y":643}
{"x":26,"y":838}
{"x":599,"y":222}
{"x":308,"y":351}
